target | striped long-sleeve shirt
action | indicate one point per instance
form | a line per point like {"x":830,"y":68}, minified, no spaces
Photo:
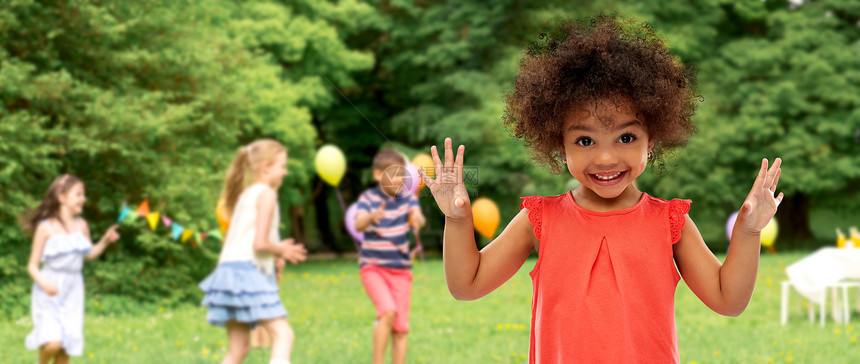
{"x":386,"y":244}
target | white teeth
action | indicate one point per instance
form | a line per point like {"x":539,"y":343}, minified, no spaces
{"x":606,"y":178}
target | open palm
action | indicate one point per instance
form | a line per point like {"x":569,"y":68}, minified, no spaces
{"x":448,"y":188}
{"x":760,"y":205}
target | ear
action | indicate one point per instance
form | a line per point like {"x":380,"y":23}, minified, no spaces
{"x":377,"y":175}
{"x":561,"y":153}
{"x":650,"y":143}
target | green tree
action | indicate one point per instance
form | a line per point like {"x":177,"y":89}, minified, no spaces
{"x":778,"y":80}
{"x":150,"y":101}
{"x":441,"y":70}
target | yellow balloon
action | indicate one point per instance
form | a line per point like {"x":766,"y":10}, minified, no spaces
{"x":331,"y":164}
{"x":768,"y":234}
{"x":485,"y":215}
{"x":221,"y":216}
{"x":424,"y":162}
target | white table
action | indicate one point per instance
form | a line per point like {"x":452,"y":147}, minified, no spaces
{"x":825,"y":269}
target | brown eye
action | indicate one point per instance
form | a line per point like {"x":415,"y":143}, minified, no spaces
{"x":584,"y":141}
{"x":627,"y":138}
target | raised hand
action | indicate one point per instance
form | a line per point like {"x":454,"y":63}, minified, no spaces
{"x":378,"y":214}
{"x":292,"y":252}
{"x":448,"y":188}
{"x":760,"y":205}
{"x":111,"y":235}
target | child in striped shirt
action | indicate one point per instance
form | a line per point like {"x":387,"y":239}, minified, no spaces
{"x":385,"y":213}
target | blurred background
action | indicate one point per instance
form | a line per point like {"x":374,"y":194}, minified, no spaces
{"x":149,"y":100}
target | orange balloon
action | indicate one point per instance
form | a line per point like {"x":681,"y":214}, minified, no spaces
{"x":424,"y":162}
{"x":221,"y":215}
{"x":485,"y":215}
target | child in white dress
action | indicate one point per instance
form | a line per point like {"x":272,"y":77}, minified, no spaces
{"x":61,"y":242}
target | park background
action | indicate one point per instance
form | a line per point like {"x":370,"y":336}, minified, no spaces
{"x":149,"y":100}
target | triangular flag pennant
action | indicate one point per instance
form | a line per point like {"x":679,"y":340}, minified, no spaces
{"x":177,"y":231}
{"x":152,"y":218}
{"x":186,"y":234}
{"x":197,"y":240}
{"x":203,"y":236}
{"x":216,"y":234}
{"x":123,"y":213}
{"x":143,"y":209}
{"x":166,"y":220}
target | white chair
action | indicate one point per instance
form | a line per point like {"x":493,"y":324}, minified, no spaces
{"x":784,"y":306}
{"x":846,"y":308}
{"x":841,"y":308}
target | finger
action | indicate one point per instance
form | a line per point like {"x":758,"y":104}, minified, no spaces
{"x":775,"y":169}
{"x":424,"y":177}
{"x":437,"y":164}
{"x":762,"y":174}
{"x":779,"y":199}
{"x":771,"y":173}
{"x":449,"y":154}
{"x":382,"y":206}
{"x":775,"y":180}
{"x":458,"y":163}
{"x":777,"y":163}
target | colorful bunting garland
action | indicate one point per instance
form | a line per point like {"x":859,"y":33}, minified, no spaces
{"x":178,"y":232}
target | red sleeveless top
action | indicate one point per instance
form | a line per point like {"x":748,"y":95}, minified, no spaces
{"x":604,"y":282}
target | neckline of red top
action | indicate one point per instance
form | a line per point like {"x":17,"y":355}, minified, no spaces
{"x":579,"y":208}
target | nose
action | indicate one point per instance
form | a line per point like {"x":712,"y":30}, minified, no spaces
{"x":606,"y":156}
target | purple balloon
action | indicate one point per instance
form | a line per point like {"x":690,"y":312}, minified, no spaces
{"x":412,"y":182}
{"x":730,"y":224}
{"x":349,"y":221}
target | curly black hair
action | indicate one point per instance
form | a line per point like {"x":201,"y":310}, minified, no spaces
{"x":604,"y":58}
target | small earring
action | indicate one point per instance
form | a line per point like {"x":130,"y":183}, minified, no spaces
{"x":650,"y":154}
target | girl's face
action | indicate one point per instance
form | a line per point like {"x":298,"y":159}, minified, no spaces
{"x":276,"y":171}
{"x":73,"y":200}
{"x":606,"y":157}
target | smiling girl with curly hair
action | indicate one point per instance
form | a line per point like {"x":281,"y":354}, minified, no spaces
{"x":602,"y":98}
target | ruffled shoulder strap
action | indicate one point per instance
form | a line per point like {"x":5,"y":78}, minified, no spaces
{"x":47,"y":224}
{"x":535,"y":206}
{"x":64,"y":244}
{"x":677,"y":209}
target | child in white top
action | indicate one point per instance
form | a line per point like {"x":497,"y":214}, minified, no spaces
{"x":61,"y":242}
{"x":241,"y":293}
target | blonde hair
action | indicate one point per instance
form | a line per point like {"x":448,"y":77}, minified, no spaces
{"x":50,"y":205}
{"x":249,"y":159}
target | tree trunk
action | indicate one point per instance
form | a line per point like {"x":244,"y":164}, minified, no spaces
{"x":793,"y":217}
{"x":323,"y":223}
{"x":298,"y":224}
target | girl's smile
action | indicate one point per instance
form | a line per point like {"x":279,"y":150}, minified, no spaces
{"x":608,"y":179}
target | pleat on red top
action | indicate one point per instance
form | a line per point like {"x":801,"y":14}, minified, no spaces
{"x":604,"y":283}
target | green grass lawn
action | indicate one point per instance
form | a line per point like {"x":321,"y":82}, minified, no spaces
{"x":332,"y":318}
